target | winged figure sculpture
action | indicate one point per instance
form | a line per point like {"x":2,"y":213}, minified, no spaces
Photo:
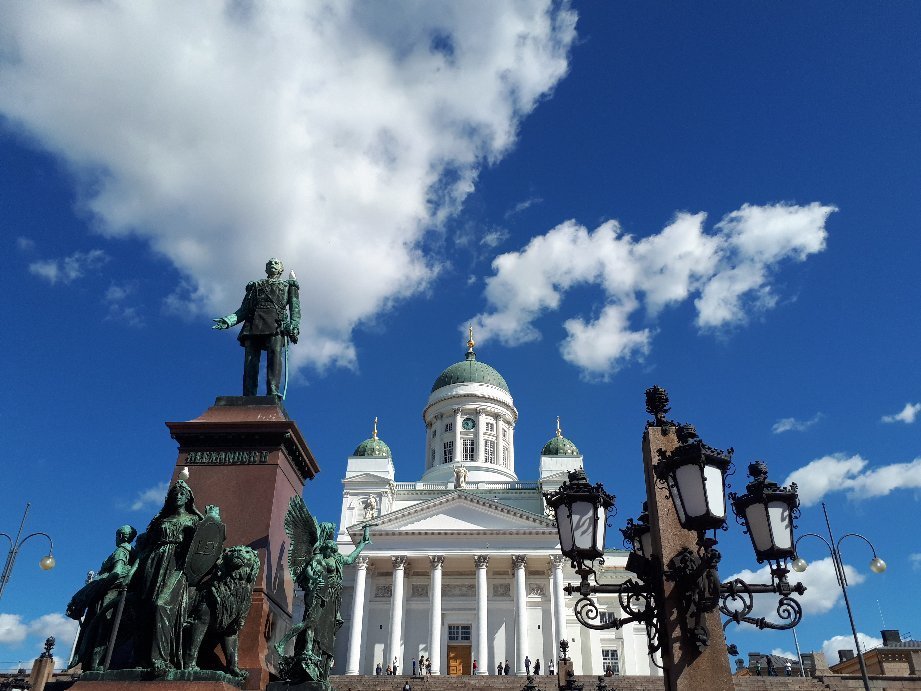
{"x":316,"y":567}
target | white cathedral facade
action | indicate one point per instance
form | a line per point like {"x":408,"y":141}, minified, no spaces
{"x":465,"y":564}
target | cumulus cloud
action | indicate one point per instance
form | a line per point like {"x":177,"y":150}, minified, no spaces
{"x":842,"y":473}
{"x":915,"y":561}
{"x":836,"y":643}
{"x":331,"y":135}
{"x":788,"y":424}
{"x":12,"y":628}
{"x":729,"y":271}
{"x":907,"y":415}
{"x":70,"y":268}
{"x":822,"y":590}
{"x":55,"y":624}
{"x":780,"y":652}
{"x":150,"y":498}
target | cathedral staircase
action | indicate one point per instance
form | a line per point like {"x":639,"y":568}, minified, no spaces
{"x":546,"y":683}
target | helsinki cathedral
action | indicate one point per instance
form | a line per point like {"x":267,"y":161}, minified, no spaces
{"x":465,"y":563}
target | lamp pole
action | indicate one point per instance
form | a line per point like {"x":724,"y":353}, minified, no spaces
{"x":46,"y":563}
{"x":877,"y":565}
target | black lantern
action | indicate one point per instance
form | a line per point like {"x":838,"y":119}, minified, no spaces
{"x":638,"y":535}
{"x":696,"y":478}
{"x":767,"y":511}
{"x":581,"y":517}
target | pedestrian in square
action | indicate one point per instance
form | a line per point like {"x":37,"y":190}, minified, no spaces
{"x":507,"y":668}
{"x":499,"y":669}
{"x":414,"y":666}
{"x":537,"y":667}
{"x":550,"y":668}
{"x":527,"y":665}
{"x":377,"y":670}
{"x":473,"y":668}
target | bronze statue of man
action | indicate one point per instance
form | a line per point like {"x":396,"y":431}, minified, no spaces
{"x":271,"y":316}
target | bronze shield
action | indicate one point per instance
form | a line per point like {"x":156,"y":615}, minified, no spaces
{"x":205,"y":549}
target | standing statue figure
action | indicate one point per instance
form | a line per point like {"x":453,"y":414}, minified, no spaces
{"x":460,"y":477}
{"x":316,"y":566}
{"x":271,"y":316}
{"x":160,"y":585}
{"x":96,"y":602}
{"x":370,"y":507}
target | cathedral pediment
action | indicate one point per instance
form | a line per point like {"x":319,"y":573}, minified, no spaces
{"x":367,"y":478}
{"x":460,"y":513}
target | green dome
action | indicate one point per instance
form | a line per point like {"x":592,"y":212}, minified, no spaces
{"x":559,"y":446}
{"x":470,"y":370}
{"x":373,"y":447}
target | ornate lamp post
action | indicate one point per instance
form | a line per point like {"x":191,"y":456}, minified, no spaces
{"x":877,"y":565}
{"x":694,"y":475}
{"x":46,"y":563}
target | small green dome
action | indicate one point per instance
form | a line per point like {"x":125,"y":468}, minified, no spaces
{"x":470,"y":370}
{"x":559,"y":446}
{"x":373,"y":447}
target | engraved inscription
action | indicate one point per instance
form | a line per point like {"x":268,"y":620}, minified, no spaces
{"x":420,"y":590}
{"x":536,"y":589}
{"x":459,"y":590}
{"x":383,"y":591}
{"x":226,"y":457}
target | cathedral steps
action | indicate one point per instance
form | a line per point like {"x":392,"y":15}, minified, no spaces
{"x":546,"y":683}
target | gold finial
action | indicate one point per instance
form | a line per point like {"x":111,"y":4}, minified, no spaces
{"x":470,"y":341}
{"x":559,"y":432}
{"x":374,"y":436}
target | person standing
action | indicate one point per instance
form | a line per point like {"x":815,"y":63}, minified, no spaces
{"x":537,"y":667}
{"x":550,"y":668}
{"x":428,"y":665}
{"x":787,"y":668}
{"x":507,"y":669}
{"x":377,"y":670}
{"x":473,"y":668}
{"x":499,"y":669}
{"x":772,"y":672}
{"x":414,"y":666}
{"x":527,"y":665}
{"x":395,"y":666}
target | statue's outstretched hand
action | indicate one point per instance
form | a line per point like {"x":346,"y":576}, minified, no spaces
{"x":220,"y":323}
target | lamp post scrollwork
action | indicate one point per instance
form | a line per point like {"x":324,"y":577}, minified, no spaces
{"x":46,"y":563}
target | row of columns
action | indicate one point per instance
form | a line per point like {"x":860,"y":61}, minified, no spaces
{"x":395,"y":639}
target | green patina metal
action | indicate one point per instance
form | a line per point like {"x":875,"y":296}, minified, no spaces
{"x":372,"y":447}
{"x":559,"y":446}
{"x":470,"y":370}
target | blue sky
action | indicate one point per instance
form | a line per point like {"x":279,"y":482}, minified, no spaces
{"x":721,"y":199}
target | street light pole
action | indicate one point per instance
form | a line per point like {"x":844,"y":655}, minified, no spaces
{"x":46,"y":563}
{"x":877,"y":565}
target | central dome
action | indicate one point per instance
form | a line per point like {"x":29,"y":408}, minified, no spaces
{"x":469,"y":370}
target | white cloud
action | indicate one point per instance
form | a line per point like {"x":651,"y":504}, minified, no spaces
{"x":729,"y":271}
{"x":494,"y":237}
{"x":150,"y":498}
{"x":840,"y":473}
{"x":822,"y":590}
{"x":70,"y":268}
{"x":116,"y":297}
{"x":907,"y":415}
{"x":332,"y":135}
{"x":522,"y":205}
{"x":12,"y":628}
{"x":62,"y":628}
{"x":836,"y":643}
{"x":791,"y":423}
{"x":915,"y":561}
{"x":24,"y":244}
{"x":784,"y":653}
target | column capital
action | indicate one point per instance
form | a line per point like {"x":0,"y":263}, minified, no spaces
{"x":362,"y":563}
{"x":481,"y":561}
{"x":519,"y":561}
{"x":438,"y":560}
{"x":399,"y":562}
{"x":556,"y":561}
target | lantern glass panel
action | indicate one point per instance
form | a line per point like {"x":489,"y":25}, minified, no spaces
{"x":673,"y":489}
{"x":583,"y":524}
{"x":564,"y":525}
{"x":601,"y":526}
{"x":781,"y":524}
{"x":713,"y":476}
{"x":691,"y":486}
{"x":757,"y":522}
{"x":646,"y":543}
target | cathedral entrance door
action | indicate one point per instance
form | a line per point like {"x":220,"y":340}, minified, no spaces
{"x":459,"y":659}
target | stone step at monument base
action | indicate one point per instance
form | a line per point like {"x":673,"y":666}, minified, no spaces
{"x":545,"y":683}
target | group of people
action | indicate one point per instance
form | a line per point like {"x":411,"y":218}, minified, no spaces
{"x":772,"y":670}
{"x":423,"y":666}
{"x":506,"y":668}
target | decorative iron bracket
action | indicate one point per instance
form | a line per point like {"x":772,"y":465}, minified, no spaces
{"x":737,"y":600}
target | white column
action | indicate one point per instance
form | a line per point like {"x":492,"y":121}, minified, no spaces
{"x":519,"y":562}
{"x":396,"y":613}
{"x":458,"y":455}
{"x":482,"y":635}
{"x":559,"y":601}
{"x":435,"y":622}
{"x":358,"y":610}
{"x":480,"y":452}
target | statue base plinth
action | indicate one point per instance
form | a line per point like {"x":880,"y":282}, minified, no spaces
{"x":300,"y":686}
{"x":246,"y":455}
{"x":143,"y":679}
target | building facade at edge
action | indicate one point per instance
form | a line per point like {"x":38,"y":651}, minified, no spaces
{"x":465,"y":562}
